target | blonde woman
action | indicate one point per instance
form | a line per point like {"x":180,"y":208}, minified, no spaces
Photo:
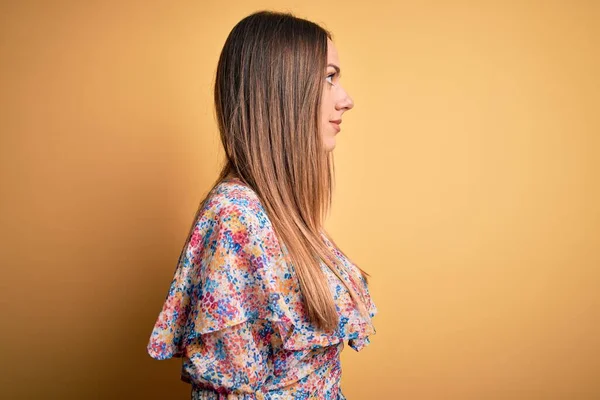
{"x":262,"y":299}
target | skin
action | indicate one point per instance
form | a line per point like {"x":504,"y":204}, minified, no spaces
{"x":335,"y":101}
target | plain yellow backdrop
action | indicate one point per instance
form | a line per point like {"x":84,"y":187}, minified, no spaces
{"x":468,"y":185}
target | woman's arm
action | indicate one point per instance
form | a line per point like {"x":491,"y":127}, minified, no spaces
{"x":215,"y":313}
{"x":233,"y":361}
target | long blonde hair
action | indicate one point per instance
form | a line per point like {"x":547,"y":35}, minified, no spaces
{"x":267,"y":94}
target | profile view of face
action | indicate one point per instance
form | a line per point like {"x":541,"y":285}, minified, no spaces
{"x":335,"y":101}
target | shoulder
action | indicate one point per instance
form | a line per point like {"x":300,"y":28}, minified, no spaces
{"x":232,"y":212}
{"x":232,"y":197}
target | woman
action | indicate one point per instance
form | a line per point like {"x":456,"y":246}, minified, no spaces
{"x":262,"y":299}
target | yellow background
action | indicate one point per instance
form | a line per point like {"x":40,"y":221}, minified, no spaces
{"x":468,"y":186}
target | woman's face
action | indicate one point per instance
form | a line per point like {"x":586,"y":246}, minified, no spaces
{"x":335,"y":101}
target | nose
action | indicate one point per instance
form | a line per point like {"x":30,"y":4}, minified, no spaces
{"x":345,"y":102}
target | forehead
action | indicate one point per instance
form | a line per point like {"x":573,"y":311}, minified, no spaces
{"x":332,"y":54}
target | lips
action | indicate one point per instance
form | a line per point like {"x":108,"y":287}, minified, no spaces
{"x":336,"y":125}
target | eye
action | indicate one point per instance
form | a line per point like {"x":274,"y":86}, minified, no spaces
{"x":330,"y":76}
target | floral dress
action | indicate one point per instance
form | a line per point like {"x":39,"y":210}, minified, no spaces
{"x":235,"y":316}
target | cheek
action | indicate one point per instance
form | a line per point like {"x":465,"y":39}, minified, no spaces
{"x":326,"y":106}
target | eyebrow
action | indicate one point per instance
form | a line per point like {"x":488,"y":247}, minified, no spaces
{"x":337,"y":69}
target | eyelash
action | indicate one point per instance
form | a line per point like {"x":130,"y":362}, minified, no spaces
{"x":330,"y":75}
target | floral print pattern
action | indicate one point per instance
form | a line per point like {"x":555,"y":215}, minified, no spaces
{"x":234,"y":310}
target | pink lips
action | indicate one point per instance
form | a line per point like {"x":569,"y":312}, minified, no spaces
{"x":336,"y":124}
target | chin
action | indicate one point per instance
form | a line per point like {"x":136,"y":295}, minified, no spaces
{"x":329,"y":143}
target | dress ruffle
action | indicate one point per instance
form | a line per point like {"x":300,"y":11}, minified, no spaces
{"x":233,"y":270}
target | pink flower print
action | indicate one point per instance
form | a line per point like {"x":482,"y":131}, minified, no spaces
{"x":195,"y":239}
{"x":241,"y":238}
